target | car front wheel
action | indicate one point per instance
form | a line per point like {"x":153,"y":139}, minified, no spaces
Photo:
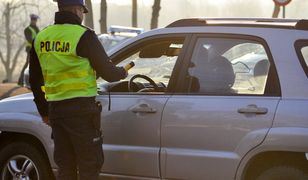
{"x":20,"y":160}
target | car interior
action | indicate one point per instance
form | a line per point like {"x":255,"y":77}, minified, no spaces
{"x":153,"y":68}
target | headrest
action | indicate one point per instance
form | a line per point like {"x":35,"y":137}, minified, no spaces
{"x":261,"y":68}
{"x":219,"y":74}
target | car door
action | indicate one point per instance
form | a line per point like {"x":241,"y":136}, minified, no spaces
{"x":225,"y":107}
{"x":131,"y":127}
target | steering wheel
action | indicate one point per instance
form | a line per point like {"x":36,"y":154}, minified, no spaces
{"x":131,"y":82}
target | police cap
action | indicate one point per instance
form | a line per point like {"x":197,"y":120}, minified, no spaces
{"x":34,"y":17}
{"x":72,"y":2}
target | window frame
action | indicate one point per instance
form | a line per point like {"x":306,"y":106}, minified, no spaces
{"x":271,"y":89}
{"x":298,"y":45}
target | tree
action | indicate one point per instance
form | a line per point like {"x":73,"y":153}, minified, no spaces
{"x":89,"y":16}
{"x":134,"y":13}
{"x":155,"y":14}
{"x":11,"y":35}
{"x":103,"y":19}
{"x":276,"y":11}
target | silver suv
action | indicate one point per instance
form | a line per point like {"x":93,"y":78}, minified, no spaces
{"x":213,"y":99}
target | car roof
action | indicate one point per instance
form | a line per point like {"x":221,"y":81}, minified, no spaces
{"x":300,"y":24}
{"x":265,"y":28}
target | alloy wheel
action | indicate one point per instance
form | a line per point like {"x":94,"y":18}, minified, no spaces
{"x":20,"y":167}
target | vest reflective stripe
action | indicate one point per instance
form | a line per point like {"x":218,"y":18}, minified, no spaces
{"x":66,"y":75}
{"x":64,"y":87}
{"x":33,"y":32}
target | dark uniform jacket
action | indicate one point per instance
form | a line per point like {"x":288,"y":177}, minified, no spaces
{"x":89,"y":47}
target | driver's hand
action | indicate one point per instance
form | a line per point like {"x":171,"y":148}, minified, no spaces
{"x":126,"y":73}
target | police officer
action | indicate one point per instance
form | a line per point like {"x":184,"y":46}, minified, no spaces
{"x":63,"y":66}
{"x":30,"y":33}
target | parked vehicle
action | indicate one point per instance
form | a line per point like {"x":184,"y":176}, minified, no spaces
{"x":207,"y":99}
{"x":117,"y":35}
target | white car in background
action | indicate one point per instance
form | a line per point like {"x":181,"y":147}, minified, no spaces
{"x":118,"y":34}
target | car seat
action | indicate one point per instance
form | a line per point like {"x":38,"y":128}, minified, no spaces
{"x":213,"y":73}
{"x":260,"y":71}
{"x":219,"y":76}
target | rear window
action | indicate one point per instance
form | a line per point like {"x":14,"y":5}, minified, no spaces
{"x":228,"y":66}
{"x":302,"y":52}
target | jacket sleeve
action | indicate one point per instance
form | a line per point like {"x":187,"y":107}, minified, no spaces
{"x":90,"y":47}
{"x":36,"y":81}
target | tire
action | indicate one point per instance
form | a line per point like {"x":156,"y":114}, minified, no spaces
{"x":281,"y":172}
{"x":20,"y":160}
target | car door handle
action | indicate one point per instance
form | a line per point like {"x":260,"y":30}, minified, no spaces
{"x":143,"y":108}
{"x":253,"y":109}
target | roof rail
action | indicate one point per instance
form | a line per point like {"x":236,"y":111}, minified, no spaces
{"x":301,"y":24}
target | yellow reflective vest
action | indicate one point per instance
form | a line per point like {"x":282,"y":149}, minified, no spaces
{"x":33,"y":33}
{"x":66,"y":75}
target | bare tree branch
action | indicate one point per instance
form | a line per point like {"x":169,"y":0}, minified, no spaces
{"x":155,"y":14}
{"x":23,"y":4}
{"x":21,"y":47}
{"x":31,"y":4}
{"x":2,"y":58}
{"x":134,"y":13}
{"x":19,"y":36}
{"x":276,"y":11}
{"x":89,"y":16}
{"x":103,"y":19}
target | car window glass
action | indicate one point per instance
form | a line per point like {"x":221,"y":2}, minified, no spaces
{"x":228,"y":66}
{"x":304,"y":52}
{"x":155,"y":60}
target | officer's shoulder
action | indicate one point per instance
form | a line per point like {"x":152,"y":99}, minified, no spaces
{"x":47,"y":27}
{"x":42,"y":31}
{"x":88,"y":29}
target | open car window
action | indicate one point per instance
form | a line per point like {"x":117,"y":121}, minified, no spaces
{"x":154,"y":59}
{"x":301,"y":47}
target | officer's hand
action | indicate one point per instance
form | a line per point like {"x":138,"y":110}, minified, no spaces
{"x":46,"y":120}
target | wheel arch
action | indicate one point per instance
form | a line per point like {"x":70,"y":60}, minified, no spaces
{"x":7,"y":137}
{"x":281,"y":143}
{"x":264,"y":160}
